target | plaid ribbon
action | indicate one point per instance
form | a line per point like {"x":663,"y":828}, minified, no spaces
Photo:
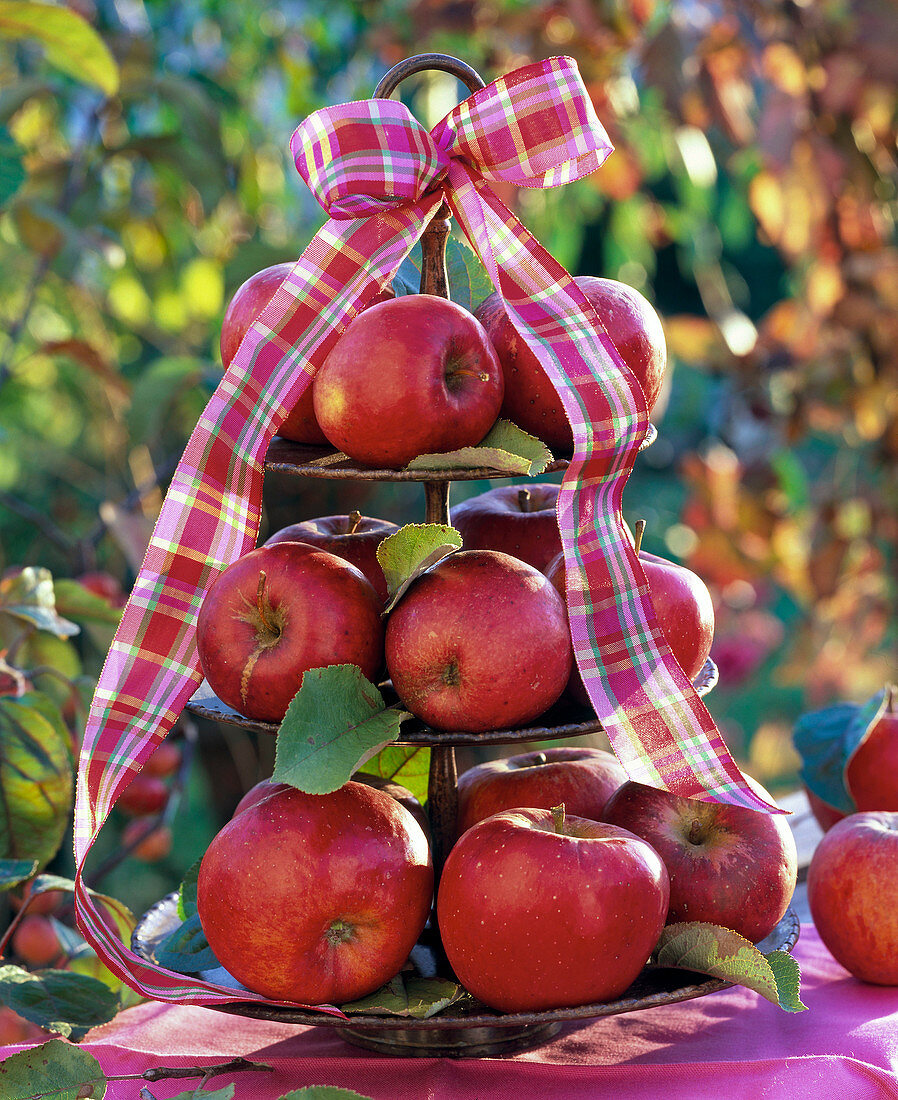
{"x":381,"y":176}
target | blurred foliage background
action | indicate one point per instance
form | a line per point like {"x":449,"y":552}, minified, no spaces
{"x":752,"y":198}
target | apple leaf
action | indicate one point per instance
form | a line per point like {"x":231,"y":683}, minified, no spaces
{"x":405,"y":764}
{"x":469,"y":283}
{"x":186,"y":949}
{"x":225,"y":1093}
{"x":30,"y":596}
{"x":58,"y":1000}
{"x":70,"y":43}
{"x":335,"y":722}
{"x":187,"y":890}
{"x":411,"y":551}
{"x":14,"y":871}
{"x":78,"y":602}
{"x":419,"y":998}
{"x":723,"y":953}
{"x":55,"y":1068}
{"x":36,"y":778}
{"x":120,"y":917}
{"x":506,"y":448}
{"x":321,"y":1092}
{"x":827,"y":739}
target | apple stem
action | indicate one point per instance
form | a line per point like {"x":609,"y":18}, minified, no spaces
{"x":638,"y":532}
{"x":524,"y":499}
{"x":262,"y":604}
{"x":355,"y":518}
{"x":695,"y":831}
{"x":557,"y":813}
{"x":479,"y":374}
{"x":540,"y":758}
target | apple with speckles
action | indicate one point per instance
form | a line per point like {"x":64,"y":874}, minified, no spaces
{"x":539,"y":910}
{"x":516,"y":519}
{"x":727,"y":864}
{"x":277,"y":612}
{"x":583,"y":778}
{"x":316,"y":898}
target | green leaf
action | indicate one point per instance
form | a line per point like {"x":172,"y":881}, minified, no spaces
{"x":323,"y":1092}
{"x":406,"y":764}
{"x":186,"y":949}
{"x":120,"y":915}
{"x":336,"y":721}
{"x":723,"y":953}
{"x":56,"y":1069}
{"x":30,"y":596}
{"x":70,"y":42}
{"x":14,"y":871}
{"x":155,"y":391}
{"x":12,"y":171}
{"x":187,"y":891}
{"x":58,"y":1000}
{"x":506,"y":448}
{"x":469,"y":283}
{"x":410,"y":551}
{"x":827,"y":739}
{"x":36,"y":778}
{"x":77,"y":602}
{"x":419,"y":998}
{"x":788,"y":980}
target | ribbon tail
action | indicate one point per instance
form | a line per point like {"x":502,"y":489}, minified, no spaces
{"x":659,"y":728}
{"x":209,"y":518}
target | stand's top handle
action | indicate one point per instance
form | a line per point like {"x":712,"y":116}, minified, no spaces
{"x":422,"y":61}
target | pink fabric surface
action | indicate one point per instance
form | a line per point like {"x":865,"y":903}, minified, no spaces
{"x":726,"y":1046}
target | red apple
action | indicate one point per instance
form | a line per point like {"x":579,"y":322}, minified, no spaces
{"x":316,"y":898}
{"x":728,"y":865}
{"x":582,"y":778}
{"x":530,"y":399}
{"x":825,"y":815}
{"x":684,"y":609}
{"x":853,"y":894}
{"x":415,"y":375}
{"x":104,"y":585}
{"x":538,"y":910}
{"x":277,"y":612}
{"x":517,"y":519}
{"x":871,"y":774}
{"x":480,"y":641}
{"x":355,"y":538}
{"x":248,"y":302}
{"x":395,"y":790}
{"x":145,"y":794}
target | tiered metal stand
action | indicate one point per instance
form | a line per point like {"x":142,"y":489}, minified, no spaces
{"x":467,"y":1029}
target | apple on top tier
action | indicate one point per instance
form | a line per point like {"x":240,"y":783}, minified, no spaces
{"x":531,"y":401}
{"x":355,"y":538}
{"x":277,"y":612}
{"x":517,"y":519}
{"x":415,"y":375}
{"x":480,"y":641}
{"x":250,"y":298}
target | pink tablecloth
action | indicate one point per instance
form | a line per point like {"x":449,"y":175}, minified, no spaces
{"x":726,"y":1046}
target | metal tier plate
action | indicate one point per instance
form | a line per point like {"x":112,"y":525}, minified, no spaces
{"x":469,"y":1028}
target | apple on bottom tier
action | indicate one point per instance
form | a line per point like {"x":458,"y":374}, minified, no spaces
{"x":277,"y":612}
{"x":853,"y":895}
{"x":516,"y":519}
{"x":415,"y":375}
{"x":479,"y":641}
{"x":250,"y":298}
{"x":531,"y":400}
{"x":581,"y":778}
{"x":355,"y":538}
{"x":728,"y":865}
{"x":538,"y":910}
{"x":316,"y":898}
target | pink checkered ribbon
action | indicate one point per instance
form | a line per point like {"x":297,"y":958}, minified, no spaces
{"x":381,"y":176}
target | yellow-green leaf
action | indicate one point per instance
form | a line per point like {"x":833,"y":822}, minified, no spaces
{"x":54,"y":1068}
{"x":70,"y":43}
{"x":506,"y":448}
{"x":723,"y":953}
{"x":405,"y":764}
{"x":36,"y":778}
{"x":410,"y":551}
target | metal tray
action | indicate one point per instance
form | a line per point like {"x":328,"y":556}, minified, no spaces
{"x":468,"y":1030}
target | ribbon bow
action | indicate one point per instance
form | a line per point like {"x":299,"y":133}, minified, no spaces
{"x":381,"y":176}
